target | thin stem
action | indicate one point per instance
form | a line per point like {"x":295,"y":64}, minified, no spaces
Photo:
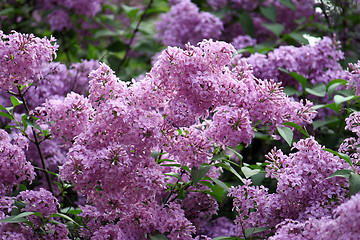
{"x":323,"y":8}
{"x":128,"y":46}
{"x":37,"y":143}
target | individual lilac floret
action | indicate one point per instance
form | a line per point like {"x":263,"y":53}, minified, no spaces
{"x":68,"y":118}
{"x":185,"y":23}
{"x":22,"y":57}
{"x":14,"y":167}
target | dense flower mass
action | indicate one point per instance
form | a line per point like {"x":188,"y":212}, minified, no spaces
{"x":354,"y":76}
{"x":185,"y":23}
{"x":170,"y":136}
{"x":297,"y":175}
{"x":128,"y":123}
{"x":318,"y":63}
{"x":70,"y":117}
{"x":22,"y":57}
{"x":341,"y":224}
{"x":14,"y":167}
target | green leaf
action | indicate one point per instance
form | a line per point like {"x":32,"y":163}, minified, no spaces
{"x":228,"y":167}
{"x":248,"y":172}
{"x":2,"y":107}
{"x":20,"y":217}
{"x":186,"y":168}
{"x":286,"y":133}
{"x":318,"y":90}
{"x":198,"y":173}
{"x":159,"y":237}
{"x":15,"y":102}
{"x":290,"y":91}
{"x":354,"y":181}
{"x":341,"y":155}
{"x":63,"y":216}
{"x":71,"y":210}
{"x":175,"y":175}
{"x":289,"y":4}
{"x":276,"y":28}
{"x":165,"y":160}
{"x":269,"y":13}
{"x":334,"y":84}
{"x":236,"y":153}
{"x":317,"y":124}
{"x":182,"y":194}
{"x":218,"y":156}
{"x":297,"y":127}
{"x":221,"y":184}
{"x":298,"y":36}
{"x":341,"y":173}
{"x":251,"y":231}
{"x":130,"y":11}
{"x":338,"y":99}
{"x":227,"y":238}
{"x":206,"y":183}
{"x":217,"y":192}
{"x":300,"y":78}
{"x":6,"y":115}
{"x":247,"y":23}
{"x":171,"y":165}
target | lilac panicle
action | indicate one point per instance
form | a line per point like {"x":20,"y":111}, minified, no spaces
{"x":297,"y":174}
{"x":14,"y":168}
{"x":308,"y":60}
{"x":185,"y":23}
{"x":22,"y":57}
{"x":342,"y":224}
{"x":354,"y":77}
{"x":69,"y":117}
{"x":44,"y":202}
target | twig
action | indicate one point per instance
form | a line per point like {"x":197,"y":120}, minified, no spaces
{"x":128,"y":46}
{"x":37,"y":143}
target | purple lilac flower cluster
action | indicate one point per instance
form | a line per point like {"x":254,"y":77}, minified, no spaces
{"x":341,"y":224}
{"x":59,"y":18}
{"x":354,"y":77}
{"x":46,"y":204}
{"x":22,"y":57}
{"x":57,"y":80}
{"x":318,"y":63}
{"x":14,"y":167}
{"x":297,"y":174}
{"x":71,"y":116}
{"x":185,"y":23}
{"x":115,"y":130}
{"x":350,"y":145}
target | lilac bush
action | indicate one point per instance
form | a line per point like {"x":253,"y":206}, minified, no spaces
{"x":201,"y":146}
